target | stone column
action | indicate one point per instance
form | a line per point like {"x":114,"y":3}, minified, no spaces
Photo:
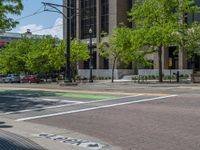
{"x":98,"y":26}
{"x":155,"y":62}
{"x":100,"y":60}
{"x":182,"y":60}
{"x":165,"y":57}
{"x":78,"y":21}
{"x":112,"y":15}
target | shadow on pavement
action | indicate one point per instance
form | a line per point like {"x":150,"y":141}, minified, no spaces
{"x":25,"y":93}
{"x":20,"y":100}
{"x":4,"y":126}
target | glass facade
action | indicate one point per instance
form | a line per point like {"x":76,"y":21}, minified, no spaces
{"x":105,"y":16}
{"x":88,"y":17}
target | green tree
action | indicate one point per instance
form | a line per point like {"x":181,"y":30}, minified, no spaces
{"x":45,"y":56}
{"x":163,"y":24}
{"x":156,"y":20}
{"x":187,"y":36}
{"x":79,"y":52}
{"x":13,"y":57}
{"x":120,"y":47}
{"x":13,"y":7}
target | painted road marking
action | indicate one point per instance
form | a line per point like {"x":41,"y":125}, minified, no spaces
{"x":95,"y":108}
{"x":83,"y":91}
{"x":60,"y":100}
{"x":65,"y":105}
{"x":72,"y":141}
{"x":54,"y":93}
{"x":40,"y":98}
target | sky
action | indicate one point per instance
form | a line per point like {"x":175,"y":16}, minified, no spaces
{"x":39,"y":22}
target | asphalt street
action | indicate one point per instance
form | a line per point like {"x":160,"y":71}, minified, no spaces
{"x":157,"y":118}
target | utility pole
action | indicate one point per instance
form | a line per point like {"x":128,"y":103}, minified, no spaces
{"x":69,"y":16}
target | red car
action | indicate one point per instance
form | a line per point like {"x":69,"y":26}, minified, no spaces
{"x":31,"y":79}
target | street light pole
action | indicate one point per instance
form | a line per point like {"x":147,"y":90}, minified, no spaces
{"x":55,"y":8}
{"x":68,"y":64}
{"x":91,"y":55}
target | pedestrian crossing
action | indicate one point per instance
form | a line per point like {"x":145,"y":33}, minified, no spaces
{"x":24,"y":108}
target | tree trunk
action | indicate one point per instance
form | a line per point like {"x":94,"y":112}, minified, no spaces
{"x":46,"y":77}
{"x":160,"y":63}
{"x":113,"y":69}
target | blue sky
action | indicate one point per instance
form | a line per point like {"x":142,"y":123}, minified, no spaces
{"x":38,"y":22}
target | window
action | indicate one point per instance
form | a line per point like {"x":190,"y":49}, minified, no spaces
{"x":88,"y":17}
{"x":105,"y":16}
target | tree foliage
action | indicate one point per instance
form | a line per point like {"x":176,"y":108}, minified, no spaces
{"x":45,"y":56}
{"x":79,"y":52}
{"x":29,"y":55}
{"x":13,"y":57}
{"x":12,"y":7}
{"x":157,"y":21}
{"x":121,"y":46}
{"x":40,"y":56}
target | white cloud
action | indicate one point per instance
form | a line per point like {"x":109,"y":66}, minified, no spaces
{"x":56,"y":30}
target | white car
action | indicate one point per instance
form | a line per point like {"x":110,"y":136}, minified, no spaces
{"x":12,"y":78}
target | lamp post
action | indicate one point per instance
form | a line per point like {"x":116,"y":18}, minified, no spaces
{"x":91,"y":55}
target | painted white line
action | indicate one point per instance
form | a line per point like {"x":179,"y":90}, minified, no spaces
{"x":8,"y":96}
{"x":65,"y":105}
{"x":60,"y":100}
{"x":95,"y":108}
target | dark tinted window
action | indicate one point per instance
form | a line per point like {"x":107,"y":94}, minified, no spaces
{"x":88,"y":17}
{"x":105,"y":16}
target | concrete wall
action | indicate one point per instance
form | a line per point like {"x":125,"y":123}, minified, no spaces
{"x":165,"y":71}
{"x":119,"y":73}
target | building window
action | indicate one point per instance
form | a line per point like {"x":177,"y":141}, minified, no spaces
{"x":130,"y":5}
{"x":88,"y":17}
{"x":104,"y":16}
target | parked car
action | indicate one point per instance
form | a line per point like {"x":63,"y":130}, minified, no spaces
{"x":2,"y":78}
{"x":12,"y":78}
{"x":31,"y":79}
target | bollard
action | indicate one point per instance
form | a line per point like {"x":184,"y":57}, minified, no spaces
{"x":177,"y":76}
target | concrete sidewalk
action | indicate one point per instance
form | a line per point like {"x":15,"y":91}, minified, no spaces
{"x":49,"y":138}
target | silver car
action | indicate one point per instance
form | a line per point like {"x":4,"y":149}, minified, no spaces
{"x":12,"y":78}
